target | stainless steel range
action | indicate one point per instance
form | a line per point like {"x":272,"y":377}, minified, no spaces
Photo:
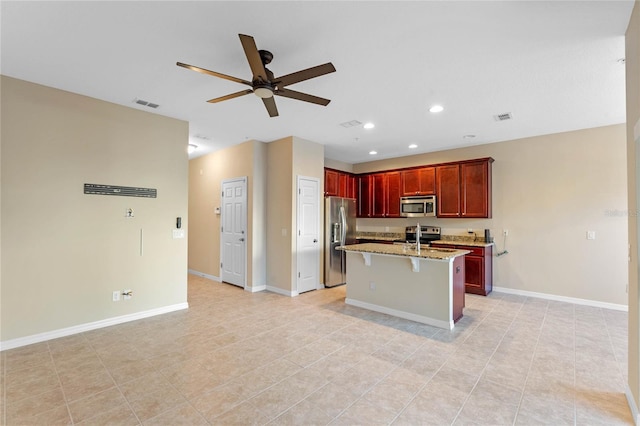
{"x":427,"y":234}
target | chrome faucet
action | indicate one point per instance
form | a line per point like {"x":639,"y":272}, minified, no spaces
{"x":418,"y":235}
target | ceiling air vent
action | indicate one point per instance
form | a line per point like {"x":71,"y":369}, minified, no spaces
{"x":503,"y":117}
{"x":146,"y":103}
{"x":352,"y":123}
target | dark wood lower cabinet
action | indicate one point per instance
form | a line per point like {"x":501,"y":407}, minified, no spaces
{"x":478,"y":268}
{"x":458,"y":287}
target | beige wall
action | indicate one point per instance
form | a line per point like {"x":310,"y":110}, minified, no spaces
{"x":308,"y":161}
{"x":548,"y":191}
{"x":633,"y":116}
{"x":280,"y":234}
{"x":64,"y":252}
{"x":272,"y":169}
{"x":287,"y":159}
{"x":338,"y":165}
{"x":206,"y":174}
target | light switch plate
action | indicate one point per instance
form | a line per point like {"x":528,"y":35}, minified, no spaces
{"x":591,"y":235}
{"x":178,"y":233}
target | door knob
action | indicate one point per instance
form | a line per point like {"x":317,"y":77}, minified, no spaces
{"x":241,"y":239}
{"x":315,"y":241}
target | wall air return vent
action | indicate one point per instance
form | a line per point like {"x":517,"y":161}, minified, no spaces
{"x":146,"y":103}
{"x":122,"y":191}
{"x":503,"y":117}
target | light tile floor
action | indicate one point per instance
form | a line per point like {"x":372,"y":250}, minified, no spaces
{"x":240,"y":358}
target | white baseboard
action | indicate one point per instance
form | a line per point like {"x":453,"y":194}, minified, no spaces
{"x":632,"y":405}
{"x":256,"y":288}
{"x":203,"y":275}
{"x":281,"y":291}
{"x":575,"y":300}
{"x":401,"y":314}
{"x":55,"y":334}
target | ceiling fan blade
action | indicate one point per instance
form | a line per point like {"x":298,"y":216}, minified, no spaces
{"x":270,"y":104}
{"x":213,"y":73}
{"x":253,"y":56}
{"x":231,"y":96}
{"x":299,"y":76}
{"x":288,"y":93}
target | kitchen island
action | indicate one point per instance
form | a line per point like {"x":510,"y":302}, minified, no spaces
{"x":425,"y":286}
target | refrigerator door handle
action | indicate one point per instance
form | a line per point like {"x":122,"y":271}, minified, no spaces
{"x":343,"y":223}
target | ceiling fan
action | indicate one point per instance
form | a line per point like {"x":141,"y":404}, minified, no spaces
{"x":263,"y":83}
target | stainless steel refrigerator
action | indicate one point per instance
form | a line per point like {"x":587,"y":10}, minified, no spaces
{"x":339,"y":230}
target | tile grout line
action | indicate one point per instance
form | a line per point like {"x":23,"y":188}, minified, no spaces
{"x":489,"y":358}
{"x":114,"y":382}
{"x":345,"y":409}
{"x":64,"y":395}
{"x":443,"y":364}
{"x":524,"y":386}
{"x":613,"y":349}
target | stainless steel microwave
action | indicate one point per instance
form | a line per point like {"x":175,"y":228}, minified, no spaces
{"x":418,"y":206}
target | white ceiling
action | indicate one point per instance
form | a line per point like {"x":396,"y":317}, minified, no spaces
{"x":553,"y":65}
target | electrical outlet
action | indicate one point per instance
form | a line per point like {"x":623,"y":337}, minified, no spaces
{"x":127,"y":294}
{"x":591,"y":235}
{"x":116,"y":296}
{"x":372,"y":286}
{"x":505,"y":232}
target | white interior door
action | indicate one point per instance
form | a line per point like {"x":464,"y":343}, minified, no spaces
{"x":233,"y":232}
{"x":308,"y":239}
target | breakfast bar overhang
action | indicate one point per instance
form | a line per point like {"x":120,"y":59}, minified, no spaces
{"x":425,"y":286}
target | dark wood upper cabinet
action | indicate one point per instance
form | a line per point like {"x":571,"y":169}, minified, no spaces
{"x":352,"y":186}
{"x":476,"y":189}
{"x":393,"y":183}
{"x":331,"y":182}
{"x":385,"y":194}
{"x":420,"y":181}
{"x":339,"y":184}
{"x":464,"y":189}
{"x":364,"y":195}
{"x":379,"y":195}
{"x":448,"y":190}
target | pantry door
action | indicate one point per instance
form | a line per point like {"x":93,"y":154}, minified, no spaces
{"x":308,"y":238}
{"x":233,"y":231}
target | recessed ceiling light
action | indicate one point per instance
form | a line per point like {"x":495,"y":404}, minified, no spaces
{"x":436,"y":108}
{"x":369,"y":126}
{"x":413,"y":145}
{"x":373,"y":152}
{"x":191,"y":148}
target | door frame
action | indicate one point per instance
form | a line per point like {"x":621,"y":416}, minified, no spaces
{"x":244,"y":180}
{"x":319,"y":285}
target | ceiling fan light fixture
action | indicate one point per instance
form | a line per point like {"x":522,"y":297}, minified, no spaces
{"x":369,"y":126}
{"x":192,"y":147}
{"x":263,"y":92}
{"x":436,"y":108}
{"x":413,"y":146}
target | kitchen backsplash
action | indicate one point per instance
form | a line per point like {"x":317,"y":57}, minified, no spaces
{"x":398,"y":233}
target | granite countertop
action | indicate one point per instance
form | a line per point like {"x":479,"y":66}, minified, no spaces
{"x":400,"y":250}
{"x":468,"y":243}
